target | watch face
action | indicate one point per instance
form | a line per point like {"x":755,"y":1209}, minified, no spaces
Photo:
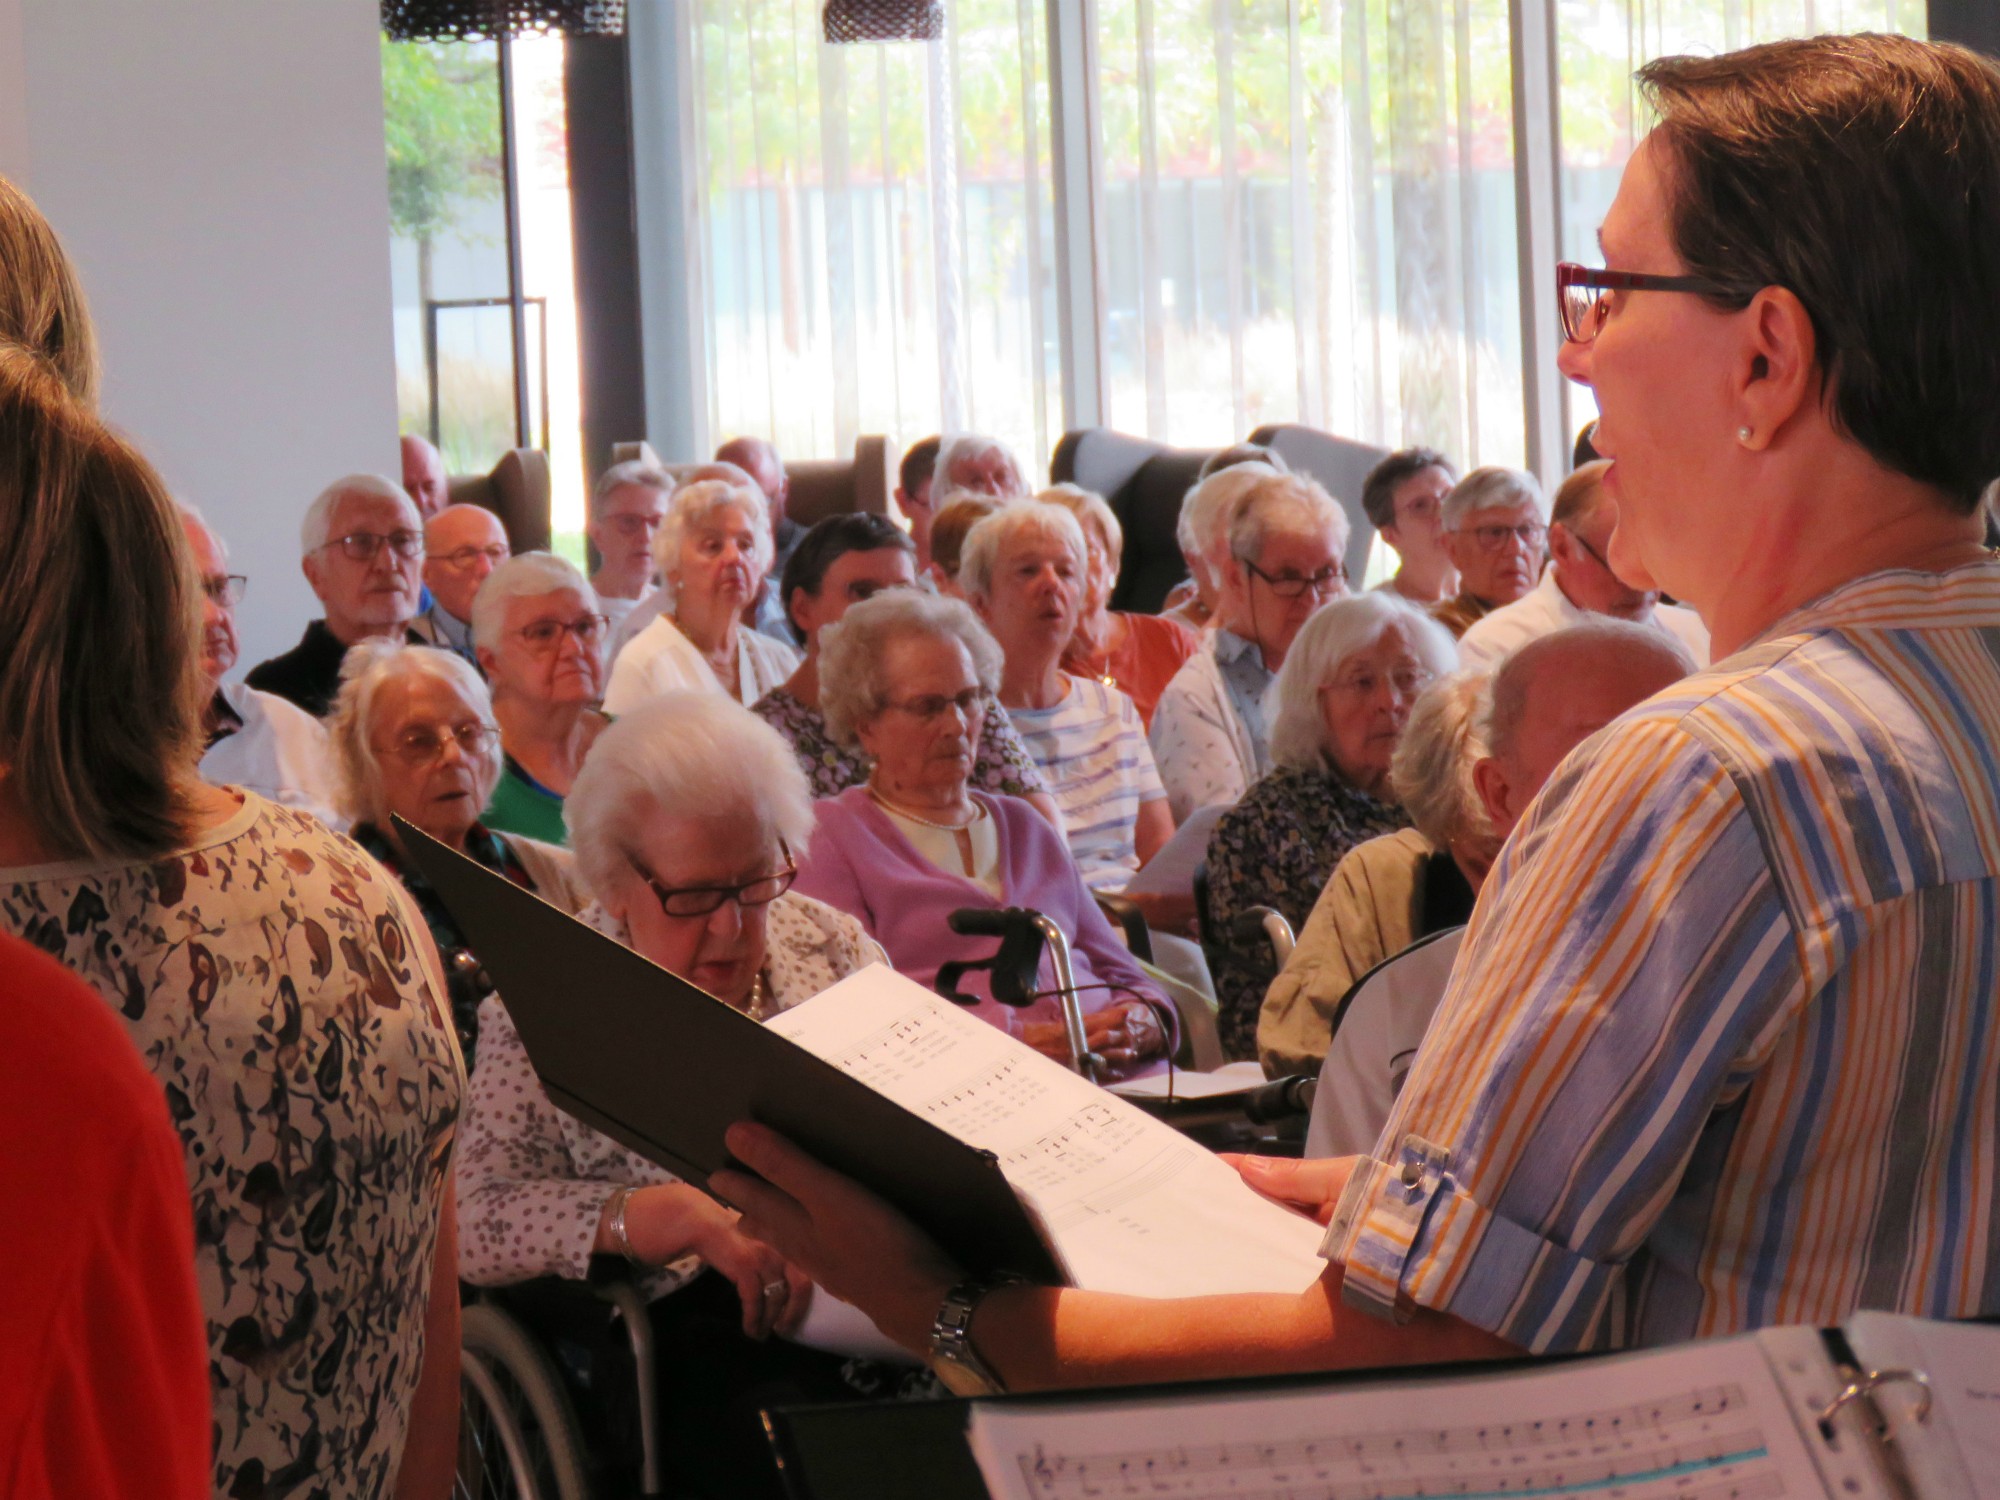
{"x":961,"y":1379}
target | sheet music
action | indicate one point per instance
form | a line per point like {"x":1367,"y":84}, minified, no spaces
{"x":1170,"y":872}
{"x":1129,"y":1204}
{"x":1698,"y":1422}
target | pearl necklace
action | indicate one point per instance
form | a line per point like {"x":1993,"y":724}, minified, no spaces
{"x":900,"y":811}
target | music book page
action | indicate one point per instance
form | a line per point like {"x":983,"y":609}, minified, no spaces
{"x":1697,"y":1422}
{"x":1962,"y":1361}
{"x":1128,"y":1204}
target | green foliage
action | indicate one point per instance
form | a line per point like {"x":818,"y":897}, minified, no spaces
{"x":441,"y":110}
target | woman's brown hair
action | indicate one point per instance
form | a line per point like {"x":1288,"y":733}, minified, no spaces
{"x":1861,"y":173}
{"x":41,"y":300}
{"x":100,"y":680}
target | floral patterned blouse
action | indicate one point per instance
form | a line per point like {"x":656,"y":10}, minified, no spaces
{"x":279,"y":986}
{"x":1276,"y":848}
{"x":1000,"y":764}
{"x":532,"y":1180}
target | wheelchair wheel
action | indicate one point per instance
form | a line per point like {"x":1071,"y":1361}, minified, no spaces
{"x":517,"y":1434}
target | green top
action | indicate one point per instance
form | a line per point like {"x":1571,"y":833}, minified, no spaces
{"x":523,"y":805}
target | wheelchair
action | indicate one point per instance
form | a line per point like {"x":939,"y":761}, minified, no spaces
{"x":519,"y":1433}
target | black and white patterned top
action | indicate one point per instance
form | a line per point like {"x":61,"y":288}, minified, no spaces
{"x":533,"y":1181}
{"x":279,"y":986}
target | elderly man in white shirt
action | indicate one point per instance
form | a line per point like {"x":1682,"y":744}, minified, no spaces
{"x":1577,"y":584}
{"x":255,"y":740}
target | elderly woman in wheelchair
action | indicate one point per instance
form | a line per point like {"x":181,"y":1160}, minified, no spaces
{"x":684,"y":821}
{"x":908,"y":677}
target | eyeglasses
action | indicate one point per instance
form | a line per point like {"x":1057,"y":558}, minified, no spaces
{"x":465,"y":557}
{"x":702,"y":900}
{"x":934,"y":706}
{"x":1328,"y":580}
{"x":1601,"y":560}
{"x":544,"y":637}
{"x":1580,"y":294}
{"x":1528,"y":533}
{"x":632,"y":526}
{"x":225,"y":589}
{"x":361,"y":546}
{"x":423,"y":744}
{"x":1407,"y":681}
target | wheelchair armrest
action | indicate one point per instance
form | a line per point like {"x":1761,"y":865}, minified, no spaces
{"x":1126,"y":914}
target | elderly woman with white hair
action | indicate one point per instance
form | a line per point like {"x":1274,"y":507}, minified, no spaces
{"x":1023,"y":572}
{"x":1390,"y":891}
{"x":1495,"y":526}
{"x":628,"y":504}
{"x":908,"y":676}
{"x":413,"y":737}
{"x":1201,"y":533}
{"x":1137,"y":654}
{"x":713,"y":550}
{"x":970,"y":463}
{"x":1282,"y":560}
{"x":1338,"y":710}
{"x":539,"y":629}
{"x":685,"y":822}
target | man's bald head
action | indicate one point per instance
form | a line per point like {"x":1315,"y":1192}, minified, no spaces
{"x":463,"y":544}
{"x":1555,"y":692}
{"x":423,"y":476}
{"x":760,"y":461}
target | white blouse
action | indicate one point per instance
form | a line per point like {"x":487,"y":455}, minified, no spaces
{"x":659,"y":659}
{"x":533,"y":1181}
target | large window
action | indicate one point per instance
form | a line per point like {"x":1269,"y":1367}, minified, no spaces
{"x":875,"y":227}
{"x":457,"y":252}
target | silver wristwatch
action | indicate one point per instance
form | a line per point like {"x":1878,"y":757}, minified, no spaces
{"x":951,"y":1354}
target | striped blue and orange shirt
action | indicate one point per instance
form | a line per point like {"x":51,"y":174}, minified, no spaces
{"x":1722,"y":1048}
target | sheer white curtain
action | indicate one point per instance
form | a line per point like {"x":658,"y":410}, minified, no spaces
{"x":1310,"y":217}
{"x":872,"y":226}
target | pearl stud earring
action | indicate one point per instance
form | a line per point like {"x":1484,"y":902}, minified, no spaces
{"x":1743,"y":435}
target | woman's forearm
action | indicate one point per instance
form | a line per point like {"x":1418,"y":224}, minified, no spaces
{"x":662,"y":1223}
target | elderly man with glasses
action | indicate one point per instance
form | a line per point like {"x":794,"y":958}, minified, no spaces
{"x":254,"y":740}
{"x":463,"y":544}
{"x":1578,"y":584}
{"x":362,"y":550}
{"x":1493,"y":532}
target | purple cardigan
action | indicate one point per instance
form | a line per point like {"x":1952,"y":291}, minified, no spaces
{"x":860,"y":863}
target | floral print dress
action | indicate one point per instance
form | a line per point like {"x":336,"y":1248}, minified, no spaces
{"x":279,"y":986}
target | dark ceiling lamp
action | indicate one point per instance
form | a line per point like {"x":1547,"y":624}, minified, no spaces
{"x":489,"y":20}
{"x":883,"y":20}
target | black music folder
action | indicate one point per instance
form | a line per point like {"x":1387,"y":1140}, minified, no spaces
{"x":665,"y":1068}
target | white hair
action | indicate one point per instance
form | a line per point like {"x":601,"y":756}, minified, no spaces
{"x":1210,"y":504}
{"x":634,"y":471}
{"x":317,"y":529}
{"x":681,"y":755}
{"x":852,"y":685}
{"x":693,"y":503}
{"x":522,"y":576}
{"x":1333,"y":633}
{"x":369,"y":666}
{"x":1492,"y":488}
{"x":961,"y":445}
{"x":1090,"y":509}
{"x":193,"y":513}
{"x":990,"y":536}
{"x":1285,"y":505}
{"x":1431,"y":771}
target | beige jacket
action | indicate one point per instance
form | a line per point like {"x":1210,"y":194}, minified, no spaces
{"x":1371,"y":908}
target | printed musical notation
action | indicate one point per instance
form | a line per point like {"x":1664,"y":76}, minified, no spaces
{"x":1629,"y":1453}
{"x":1577,"y":1432}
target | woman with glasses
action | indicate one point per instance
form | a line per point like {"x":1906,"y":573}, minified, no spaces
{"x":908,"y":677}
{"x":628,"y":504}
{"x":1337,"y":712}
{"x":840,"y":562}
{"x":413,"y":738}
{"x":539,"y":630}
{"x":1494,"y":527}
{"x":1285,"y":539}
{"x":713,"y":550}
{"x":684,"y":821}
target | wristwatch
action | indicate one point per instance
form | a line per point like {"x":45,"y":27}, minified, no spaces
{"x":952,"y":1358}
